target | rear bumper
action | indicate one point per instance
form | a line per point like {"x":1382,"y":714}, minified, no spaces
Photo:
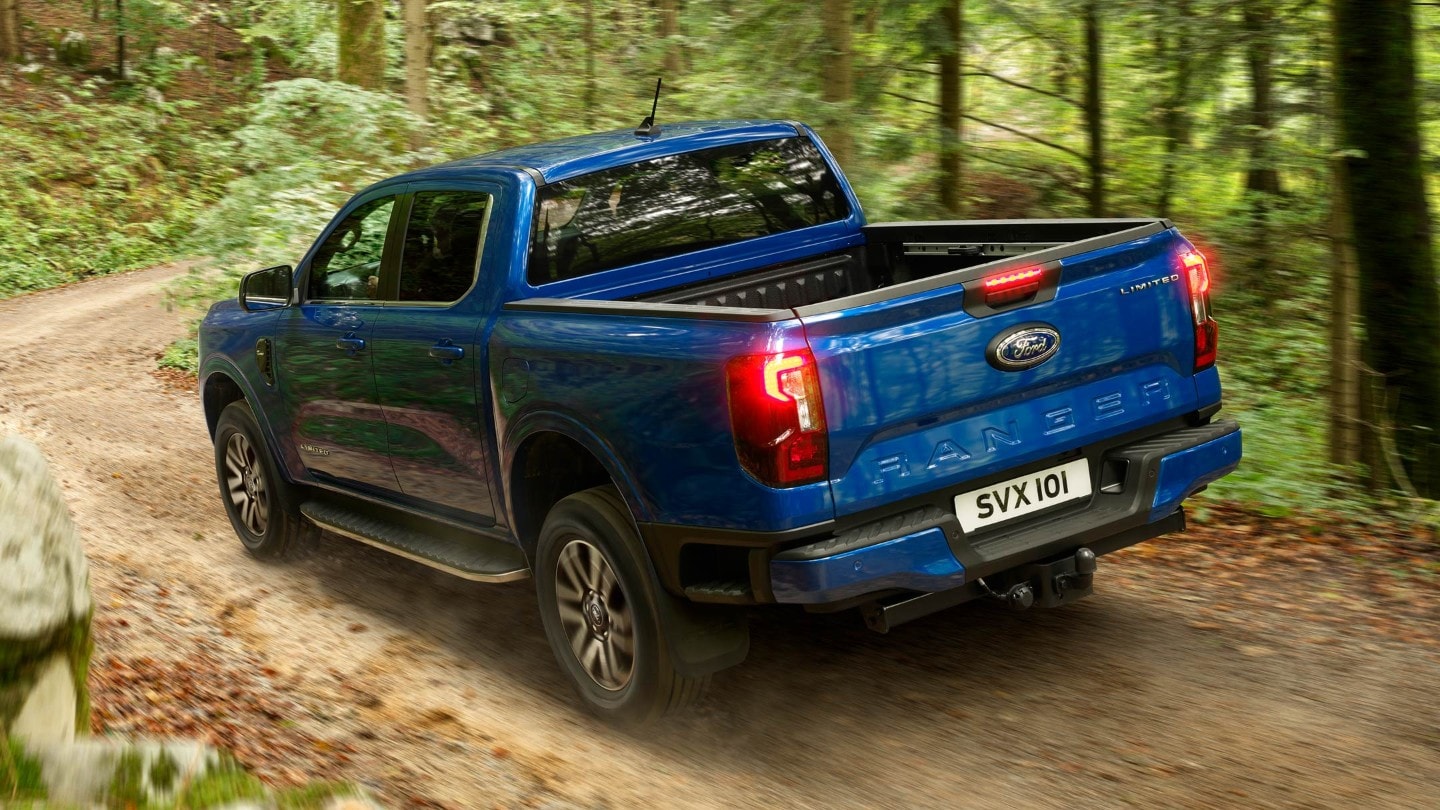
{"x":1139,"y":486}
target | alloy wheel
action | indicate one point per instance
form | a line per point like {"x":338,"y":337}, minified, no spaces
{"x":595,"y":615}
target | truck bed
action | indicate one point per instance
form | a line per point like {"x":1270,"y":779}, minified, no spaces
{"x":901,"y":253}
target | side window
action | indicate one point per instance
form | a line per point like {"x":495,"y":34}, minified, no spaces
{"x":442,"y":245}
{"x":347,"y":266}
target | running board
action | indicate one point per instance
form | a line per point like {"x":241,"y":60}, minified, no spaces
{"x":467,"y":555}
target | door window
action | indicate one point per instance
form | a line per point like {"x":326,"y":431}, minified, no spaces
{"x":442,"y":245}
{"x":347,"y":266}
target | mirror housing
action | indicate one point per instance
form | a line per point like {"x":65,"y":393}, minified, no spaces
{"x":270,"y":288}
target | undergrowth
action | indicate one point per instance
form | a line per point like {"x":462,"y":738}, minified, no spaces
{"x":92,"y":186}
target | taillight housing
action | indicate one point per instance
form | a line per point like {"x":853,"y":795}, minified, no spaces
{"x":778,"y":418}
{"x":1207,"y":331}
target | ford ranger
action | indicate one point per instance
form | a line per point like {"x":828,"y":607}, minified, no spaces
{"x":674,"y":373}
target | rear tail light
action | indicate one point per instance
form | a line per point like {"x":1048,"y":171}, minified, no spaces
{"x":1007,"y":288}
{"x":1207,"y":331}
{"x":778,"y":418}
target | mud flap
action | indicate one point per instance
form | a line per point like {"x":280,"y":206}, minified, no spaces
{"x":704,"y":638}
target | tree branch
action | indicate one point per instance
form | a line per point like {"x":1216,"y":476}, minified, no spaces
{"x":974,"y":71}
{"x":908,"y":98}
{"x":1064,"y":182}
{"x":1027,"y":136}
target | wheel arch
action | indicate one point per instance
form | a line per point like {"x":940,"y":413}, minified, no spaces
{"x":551,"y":456}
{"x":217,"y":390}
{"x":222,"y":383}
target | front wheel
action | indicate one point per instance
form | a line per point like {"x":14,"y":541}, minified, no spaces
{"x":262,"y":506}
{"x":599,"y":605}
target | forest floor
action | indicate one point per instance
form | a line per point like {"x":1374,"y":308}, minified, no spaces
{"x":1247,"y":662}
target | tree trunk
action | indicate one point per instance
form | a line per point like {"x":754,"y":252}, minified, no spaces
{"x":1258,"y":20}
{"x":120,"y":39}
{"x":1346,"y":434}
{"x":669,"y":29}
{"x":952,"y":102}
{"x":1262,"y":179}
{"x":362,"y":43}
{"x":1094,"y":112}
{"x":837,"y":82}
{"x":417,"y":63}
{"x":9,"y":30}
{"x":1399,"y":301}
{"x":1175,"y":121}
{"x":589,"y":36}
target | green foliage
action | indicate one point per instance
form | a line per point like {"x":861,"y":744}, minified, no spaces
{"x":182,"y":355}
{"x":20,"y":774}
{"x":127,"y":782}
{"x":91,"y":187}
{"x":223,"y":785}
{"x":316,"y":796}
{"x":305,"y":147}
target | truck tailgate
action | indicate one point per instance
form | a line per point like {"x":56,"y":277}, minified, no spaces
{"x":913,"y":405}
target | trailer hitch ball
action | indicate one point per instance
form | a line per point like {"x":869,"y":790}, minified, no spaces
{"x":1084,"y":562}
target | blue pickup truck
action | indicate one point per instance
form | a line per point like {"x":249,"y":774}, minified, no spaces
{"x":674,"y":373}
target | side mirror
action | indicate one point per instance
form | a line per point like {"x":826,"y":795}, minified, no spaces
{"x":266,"y":289}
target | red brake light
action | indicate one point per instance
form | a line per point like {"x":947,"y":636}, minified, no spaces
{"x":778,"y":418}
{"x":1197,"y":272}
{"x":1207,"y":331}
{"x":1009,"y":287}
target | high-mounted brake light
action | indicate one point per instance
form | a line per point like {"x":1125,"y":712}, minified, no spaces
{"x":1009,"y":287}
{"x":778,"y":418}
{"x":1207,"y":331}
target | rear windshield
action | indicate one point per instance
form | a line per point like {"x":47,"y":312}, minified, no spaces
{"x":680,"y":203}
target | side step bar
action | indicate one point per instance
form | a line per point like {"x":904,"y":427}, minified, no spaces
{"x":467,"y":555}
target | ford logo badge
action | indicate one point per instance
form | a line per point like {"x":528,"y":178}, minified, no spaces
{"x":1023,"y":347}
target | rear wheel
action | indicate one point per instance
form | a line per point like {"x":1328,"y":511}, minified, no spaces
{"x":600,"y":606}
{"x":262,"y":505}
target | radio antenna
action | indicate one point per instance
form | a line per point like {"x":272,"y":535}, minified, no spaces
{"x":647,"y":127}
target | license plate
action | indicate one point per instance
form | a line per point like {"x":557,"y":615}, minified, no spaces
{"x":1021,"y":496}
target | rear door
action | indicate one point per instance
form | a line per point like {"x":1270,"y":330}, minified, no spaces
{"x":426,"y":355}
{"x":928,"y":386}
{"x":323,"y":354}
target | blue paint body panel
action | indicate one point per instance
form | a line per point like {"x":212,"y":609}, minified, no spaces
{"x":915,"y":562}
{"x":914,"y":406}
{"x":652,"y":391}
{"x":1185,"y":472}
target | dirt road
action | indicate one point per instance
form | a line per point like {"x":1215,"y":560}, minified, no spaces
{"x":1283,"y":678}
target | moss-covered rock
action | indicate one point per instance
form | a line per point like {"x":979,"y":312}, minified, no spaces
{"x":151,"y":775}
{"x":44,"y":602}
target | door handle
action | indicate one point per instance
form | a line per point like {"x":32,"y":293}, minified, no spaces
{"x":447,"y":352}
{"x":350,"y":344}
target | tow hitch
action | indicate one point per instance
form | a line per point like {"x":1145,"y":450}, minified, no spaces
{"x":1049,"y":584}
{"x":1045,"y":584}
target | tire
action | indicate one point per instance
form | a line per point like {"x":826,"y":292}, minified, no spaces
{"x":598,"y":596}
{"x":263,"y":507}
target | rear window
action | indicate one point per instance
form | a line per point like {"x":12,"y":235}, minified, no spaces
{"x":680,"y":203}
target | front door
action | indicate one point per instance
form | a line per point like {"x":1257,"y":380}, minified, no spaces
{"x":426,"y":355}
{"x":323,"y":352}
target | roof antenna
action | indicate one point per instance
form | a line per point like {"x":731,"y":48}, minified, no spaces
{"x":647,"y":127}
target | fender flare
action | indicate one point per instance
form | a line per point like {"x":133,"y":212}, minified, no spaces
{"x":569,"y":426}
{"x":215,"y":363}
